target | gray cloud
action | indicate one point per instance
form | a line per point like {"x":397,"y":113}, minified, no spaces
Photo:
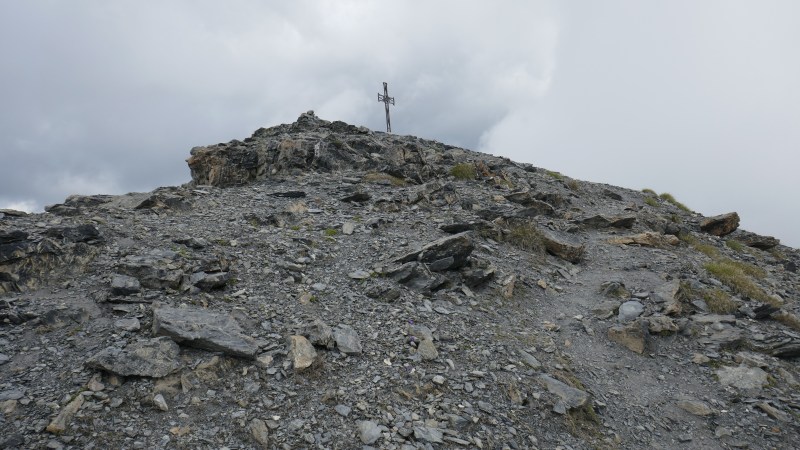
{"x":695,"y":99}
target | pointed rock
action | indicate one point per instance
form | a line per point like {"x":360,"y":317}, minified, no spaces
{"x":59,"y":424}
{"x":347,"y":340}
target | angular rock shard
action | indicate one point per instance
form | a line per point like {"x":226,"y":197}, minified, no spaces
{"x":204,"y":329}
{"x":447,"y":253}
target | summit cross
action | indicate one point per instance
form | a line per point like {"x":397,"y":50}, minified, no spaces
{"x":386,"y":101}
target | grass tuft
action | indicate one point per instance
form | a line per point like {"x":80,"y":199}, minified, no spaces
{"x":718,"y":301}
{"x":555,"y":175}
{"x":649,"y":191}
{"x":380,"y":177}
{"x":731,"y":274}
{"x":735,"y":245}
{"x":651,"y":201}
{"x":464,"y":171}
{"x":525,"y":236}
{"x":667,"y":197}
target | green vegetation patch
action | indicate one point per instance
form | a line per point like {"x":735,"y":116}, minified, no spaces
{"x":731,"y":274}
{"x":667,"y":197}
{"x":735,"y":245}
{"x":464,"y":171}
{"x":651,"y":201}
{"x":649,"y":191}
{"x":525,"y":236}
{"x":380,"y":177}
{"x":555,"y":175}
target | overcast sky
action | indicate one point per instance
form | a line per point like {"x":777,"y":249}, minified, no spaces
{"x":696,"y":98}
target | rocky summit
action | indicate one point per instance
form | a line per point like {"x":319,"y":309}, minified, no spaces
{"x":323,"y":286}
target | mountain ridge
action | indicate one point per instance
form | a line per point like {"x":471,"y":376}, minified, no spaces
{"x":322,"y":285}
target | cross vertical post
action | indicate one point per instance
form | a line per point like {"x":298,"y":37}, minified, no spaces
{"x":386,"y":101}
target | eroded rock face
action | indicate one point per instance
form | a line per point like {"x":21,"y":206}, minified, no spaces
{"x":27,"y":259}
{"x":310,"y":144}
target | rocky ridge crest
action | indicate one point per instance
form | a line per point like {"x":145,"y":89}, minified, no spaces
{"x":321,"y":285}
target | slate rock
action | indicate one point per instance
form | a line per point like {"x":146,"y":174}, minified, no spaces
{"x":259,"y":432}
{"x":156,"y":358}
{"x":450,"y":252}
{"x":563,"y":246}
{"x":530,"y":360}
{"x":124,"y":285}
{"x":720,"y":225}
{"x":347,"y":340}
{"x":570,"y":397}
{"x":756,"y":240}
{"x":204,"y":329}
{"x":428,"y":434}
{"x":210,"y":281}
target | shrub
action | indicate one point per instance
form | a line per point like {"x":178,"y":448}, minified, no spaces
{"x":525,"y":236}
{"x":464,"y":171}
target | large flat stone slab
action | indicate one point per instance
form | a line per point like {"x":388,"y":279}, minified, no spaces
{"x":204,"y":329}
{"x":447,"y":253}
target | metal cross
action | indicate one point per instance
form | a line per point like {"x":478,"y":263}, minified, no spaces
{"x":386,"y":101}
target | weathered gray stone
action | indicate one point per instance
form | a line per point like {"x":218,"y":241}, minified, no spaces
{"x":260,"y":432}
{"x":61,"y":421}
{"x":667,"y":294}
{"x":203,"y":329}
{"x":370,"y":432}
{"x":630,"y":310}
{"x":124,"y":285}
{"x":130,"y":324}
{"x":347,"y":340}
{"x":720,"y":225}
{"x":427,"y":350}
{"x":742,"y":377}
{"x":156,"y":358}
{"x":155,"y":270}
{"x":530,"y":360}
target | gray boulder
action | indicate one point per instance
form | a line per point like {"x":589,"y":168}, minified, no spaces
{"x":203,"y":329}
